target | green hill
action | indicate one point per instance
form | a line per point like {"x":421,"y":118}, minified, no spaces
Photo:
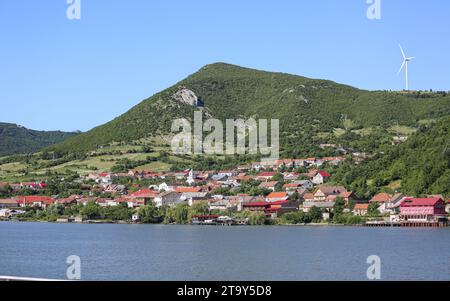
{"x":421,"y":165}
{"x":309,"y":110}
{"x":15,"y":139}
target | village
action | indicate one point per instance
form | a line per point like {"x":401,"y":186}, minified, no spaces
{"x":260,"y":193}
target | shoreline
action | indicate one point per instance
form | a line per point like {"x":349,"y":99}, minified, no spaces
{"x":315,"y":225}
{"x":131,"y":223}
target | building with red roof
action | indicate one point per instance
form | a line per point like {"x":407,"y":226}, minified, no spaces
{"x":35,"y":201}
{"x":423,"y":209}
{"x":277,"y":196}
{"x":382,"y":197}
{"x":271,"y":209}
{"x":320,"y":177}
{"x":143,"y":196}
{"x":265,"y":176}
{"x":182,"y":189}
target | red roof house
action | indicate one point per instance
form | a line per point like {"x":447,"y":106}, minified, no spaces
{"x":422,"y":209}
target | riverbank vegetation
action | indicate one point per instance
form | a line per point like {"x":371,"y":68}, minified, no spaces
{"x":181,"y":214}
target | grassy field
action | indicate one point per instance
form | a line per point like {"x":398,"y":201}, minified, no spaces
{"x":99,"y":160}
{"x":402,"y":130}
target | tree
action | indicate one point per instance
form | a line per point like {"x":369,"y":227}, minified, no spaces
{"x":91,"y":210}
{"x":149,"y":214}
{"x":351,"y":205}
{"x":315,"y":214}
{"x":295,"y":197}
{"x":199,"y":208}
{"x":373,"y":209}
{"x":177,"y":214}
{"x":55,"y":209}
{"x":339,"y":206}
{"x":293,"y":218}
{"x":256,"y":218}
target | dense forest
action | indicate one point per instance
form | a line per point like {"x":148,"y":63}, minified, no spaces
{"x":421,"y":165}
{"x":15,"y":139}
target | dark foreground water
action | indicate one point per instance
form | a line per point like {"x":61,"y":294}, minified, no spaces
{"x":158,"y":252}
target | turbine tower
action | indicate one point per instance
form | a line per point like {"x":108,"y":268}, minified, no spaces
{"x":406,"y":60}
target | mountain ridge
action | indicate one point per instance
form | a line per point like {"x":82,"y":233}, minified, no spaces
{"x":17,"y":139}
{"x":303,"y":105}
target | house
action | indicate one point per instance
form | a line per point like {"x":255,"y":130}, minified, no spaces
{"x":85,"y":201}
{"x":280,"y":207}
{"x":104,"y":202}
{"x":244,"y":168}
{"x":103,"y":178}
{"x":193,"y":198}
{"x":381,"y":197}
{"x":145,"y":195}
{"x":291,"y":176}
{"x":115,"y":189}
{"x":182,"y":189}
{"x":168,"y":198}
{"x":35,"y":201}
{"x":69,"y":200}
{"x":333,"y":160}
{"x":308,"y":197}
{"x":265,"y":176}
{"x":347,"y":196}
{"x":162,"y":187}
{"x":205,"y":218}
{"x":388,"y":203}
{"x":423,"y":210}
{"x":271,"y":209}
{"x":392,"y":205}
{"x":8,"y":203}
{"x":33,"y":185}
{"x":242,"y":177}
{"x":221,"y":205}
{"x":15,"y":186}
{"x":227,"y":173}
{"x":277,"y":196}
{"x":291,"y":187}
{"x":325,"y":206}
{"x":324,"y":191}
{"x":131,"y":202}
{"x":361,"y":209}
{"x":268,"y":185}
{"x":301,"y":187}
{"x":7,"y":213}
{"x":304,"y":184}
{"x":320,"y":177}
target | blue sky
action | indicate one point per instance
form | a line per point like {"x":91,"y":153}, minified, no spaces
{"x":73,"y":75}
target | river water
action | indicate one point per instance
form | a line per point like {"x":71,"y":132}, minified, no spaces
{"x":166,"y":252}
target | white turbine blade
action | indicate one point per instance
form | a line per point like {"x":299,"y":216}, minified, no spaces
{"x":403,"y":53}
{"x":400,"y":70}
{"x":411,"y":58}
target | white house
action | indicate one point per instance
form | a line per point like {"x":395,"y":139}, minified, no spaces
{"x":304,"y":184}
{"x":168,"y":199}
{"x":221,"y":205}
{"x":320,"y":177}
{"x":162,"y":187}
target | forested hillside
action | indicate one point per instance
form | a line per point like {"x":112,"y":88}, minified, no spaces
{"x":15,"y":139}
{"x":421,"y":165}
{"x":309,"y":110}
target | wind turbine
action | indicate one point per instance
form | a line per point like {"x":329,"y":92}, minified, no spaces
{"x":406,"y":60}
